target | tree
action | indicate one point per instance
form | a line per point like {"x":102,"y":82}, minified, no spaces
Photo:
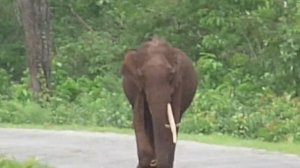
{"x":35,"y":15}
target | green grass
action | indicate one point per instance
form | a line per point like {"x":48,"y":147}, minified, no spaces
{"x":282,"y":147}
{"x":28,"y":163}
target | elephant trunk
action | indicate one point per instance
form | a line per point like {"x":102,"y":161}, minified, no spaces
{"x":164,"y":138}
{"x":172,"y":122}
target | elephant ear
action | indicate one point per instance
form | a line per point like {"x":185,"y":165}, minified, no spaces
{"x":130,"y":67}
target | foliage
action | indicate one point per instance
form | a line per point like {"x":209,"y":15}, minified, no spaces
{"x":4,"y":82}
{"x":29,"y":163}
{"x":94,"y":54}
{"x":12,"y":57}
{"x":246,"y":53}
{"x":71,"y":104}
{"x":239,"y":108}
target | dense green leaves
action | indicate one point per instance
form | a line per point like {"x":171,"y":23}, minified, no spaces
{"x":12,"y":57}
{"x":245,"y":51}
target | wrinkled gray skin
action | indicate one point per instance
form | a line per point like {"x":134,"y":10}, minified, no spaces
{"x":153,"y":75}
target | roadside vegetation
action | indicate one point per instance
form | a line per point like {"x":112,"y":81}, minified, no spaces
{"x":247,"y":55}
{"x":6,"y":162}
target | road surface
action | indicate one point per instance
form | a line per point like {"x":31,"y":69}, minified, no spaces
{"x":72,"y":149}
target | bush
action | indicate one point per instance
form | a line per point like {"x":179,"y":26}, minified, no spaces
{"x":13,"y":111}
{"x":4,"y":83}
{"x":230,"y":102}
{"x":29,"y":163}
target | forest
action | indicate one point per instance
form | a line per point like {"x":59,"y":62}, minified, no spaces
{"x":246,"y":53}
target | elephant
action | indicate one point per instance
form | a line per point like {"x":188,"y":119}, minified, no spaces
{"x":159,"y":82}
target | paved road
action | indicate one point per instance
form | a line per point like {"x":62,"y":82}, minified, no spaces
{"x":70,"y":149}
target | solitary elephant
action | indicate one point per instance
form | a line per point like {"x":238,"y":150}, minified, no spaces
{"x":159,"y":82}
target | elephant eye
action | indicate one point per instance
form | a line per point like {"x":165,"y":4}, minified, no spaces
{"x":171,"y":77}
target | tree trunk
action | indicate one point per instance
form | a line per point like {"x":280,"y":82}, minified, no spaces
{"x":35,"y":16}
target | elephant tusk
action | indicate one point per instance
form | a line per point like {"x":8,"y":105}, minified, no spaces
{"x":153,"y":163}
{"x":168,"y":126}
{"x":172,"y":122}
